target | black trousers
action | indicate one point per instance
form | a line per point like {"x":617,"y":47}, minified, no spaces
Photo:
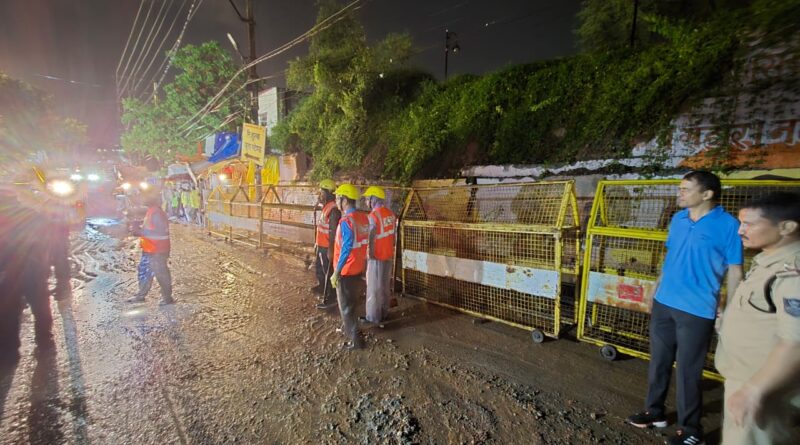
{"x":324,"y":271}
{"x":677,"y":336}
{"x":348,"y":292}
{"x":59,"y":258}
{"x":30,"y":286}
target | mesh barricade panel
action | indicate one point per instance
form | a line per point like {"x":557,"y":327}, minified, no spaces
{"x":493,"y":250}
{"x":625,"y":251}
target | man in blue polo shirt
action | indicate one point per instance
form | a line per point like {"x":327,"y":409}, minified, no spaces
{"x":702,"y":245}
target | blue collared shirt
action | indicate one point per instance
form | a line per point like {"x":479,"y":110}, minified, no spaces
{"x":347,"y":240}
{"x":698,"y":254}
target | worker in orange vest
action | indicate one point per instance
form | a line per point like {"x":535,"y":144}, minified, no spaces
{"x":155,"y":251}
{"x":325,"y":235}
{"x":380,"y":255}
{"x":350,"y":260}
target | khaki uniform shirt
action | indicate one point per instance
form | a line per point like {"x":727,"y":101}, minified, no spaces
{"x":748,"y":334}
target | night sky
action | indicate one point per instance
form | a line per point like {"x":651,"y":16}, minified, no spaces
{"x":80,"y":42}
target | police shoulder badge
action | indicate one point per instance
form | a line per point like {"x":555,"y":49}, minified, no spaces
{"x":792,"y":306}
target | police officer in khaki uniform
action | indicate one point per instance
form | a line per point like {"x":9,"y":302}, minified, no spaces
{"x":759,"y":343}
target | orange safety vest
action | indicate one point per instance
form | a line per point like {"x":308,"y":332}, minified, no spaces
{"x":385,"y":222}
{"x":356,"y":263}
{"x":154,"y":241}
{"x":324,"y":227}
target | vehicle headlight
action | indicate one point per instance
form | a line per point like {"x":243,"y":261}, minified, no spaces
{"x":76,"y":177}
{"x":126,"y":186}
{"x":144,"y":185}
{"x":93,"y":177}
{"x":61,"y":188}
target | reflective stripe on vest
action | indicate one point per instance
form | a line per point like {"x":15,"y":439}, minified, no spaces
{"x":153,"y":240}
{"x":385,"y":222}
{"x":356,"y":263}
{"x":323,"y":226}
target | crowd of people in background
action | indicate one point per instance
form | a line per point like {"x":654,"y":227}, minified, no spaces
{"x":184,"y":202}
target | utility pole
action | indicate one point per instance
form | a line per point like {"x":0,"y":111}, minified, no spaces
{"x":249,"y":19}
{"x":251,"y":36}
{"x":633,"y":25}
{"x":450,"y":44}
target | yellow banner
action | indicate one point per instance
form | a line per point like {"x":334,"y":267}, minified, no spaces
{"x":254,"y":139}
{"x":270,"y":174}
{"x":250,"y":181}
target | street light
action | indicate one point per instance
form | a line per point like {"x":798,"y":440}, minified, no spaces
{"x":236,"y":47}
{"x":450,"y":44}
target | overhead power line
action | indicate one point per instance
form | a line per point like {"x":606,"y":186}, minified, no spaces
{"x":135,"y":45}
{"x":158,"y":51}
{"x":148,"y":45}
{"x":168,"y":60}
{"x":127,"y":42}
{"x":324,"y":24}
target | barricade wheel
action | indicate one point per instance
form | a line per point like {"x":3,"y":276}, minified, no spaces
{"x":609,"y":352}
{"x":537,"y":336}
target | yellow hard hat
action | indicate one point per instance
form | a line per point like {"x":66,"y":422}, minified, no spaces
{"x":375,"y":191}
{"x":347,"y":190}
{"x":327,"y":184}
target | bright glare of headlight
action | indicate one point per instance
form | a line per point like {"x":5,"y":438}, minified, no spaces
{"x":223,"y":177}
{"x":93,"y":177}
{"x":126,"y":186}
{"x":144,"y":185}
{"x":76,"y":177}
{"x":61,"y":188}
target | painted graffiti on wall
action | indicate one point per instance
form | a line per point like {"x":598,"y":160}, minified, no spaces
{"x":762,"y":124}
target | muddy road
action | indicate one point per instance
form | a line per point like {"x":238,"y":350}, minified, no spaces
{"x":244,"y":357}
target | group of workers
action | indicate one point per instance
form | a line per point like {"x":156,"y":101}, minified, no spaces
{"x":758,"y":349}
{"x":34,"y":236}
{"x":183,"y":202}
{"x":349,"y":245}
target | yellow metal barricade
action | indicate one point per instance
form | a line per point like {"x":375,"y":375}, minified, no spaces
{"x":493,"y":251}
{"x":218,"y":211}
{"x":624,"y":252}
{"x":245,"y":225}
{"x":289,"y":213}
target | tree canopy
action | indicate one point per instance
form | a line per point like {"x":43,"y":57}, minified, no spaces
{"x":597,"y":104}
{"x":173,"y":121}
{"x":353,"y":87}
{"x":28,"y":124}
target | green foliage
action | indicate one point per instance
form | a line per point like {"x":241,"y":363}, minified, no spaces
{"x":597,"y":104}
{"x":171,"y":124}
{"x":28,"y":126}
{"x":606,"y":25}
{"x":352,"y":86}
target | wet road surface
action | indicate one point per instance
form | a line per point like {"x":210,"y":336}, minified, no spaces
{"x":244,"y":357}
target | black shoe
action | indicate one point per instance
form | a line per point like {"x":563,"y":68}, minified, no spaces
{"x":317,"y":289}
{"x":683,"y":438}
{"x":647,"y":420}
{"x":166,"y":301}
{"x":135,"y":299}
{"x":324,"y":306}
